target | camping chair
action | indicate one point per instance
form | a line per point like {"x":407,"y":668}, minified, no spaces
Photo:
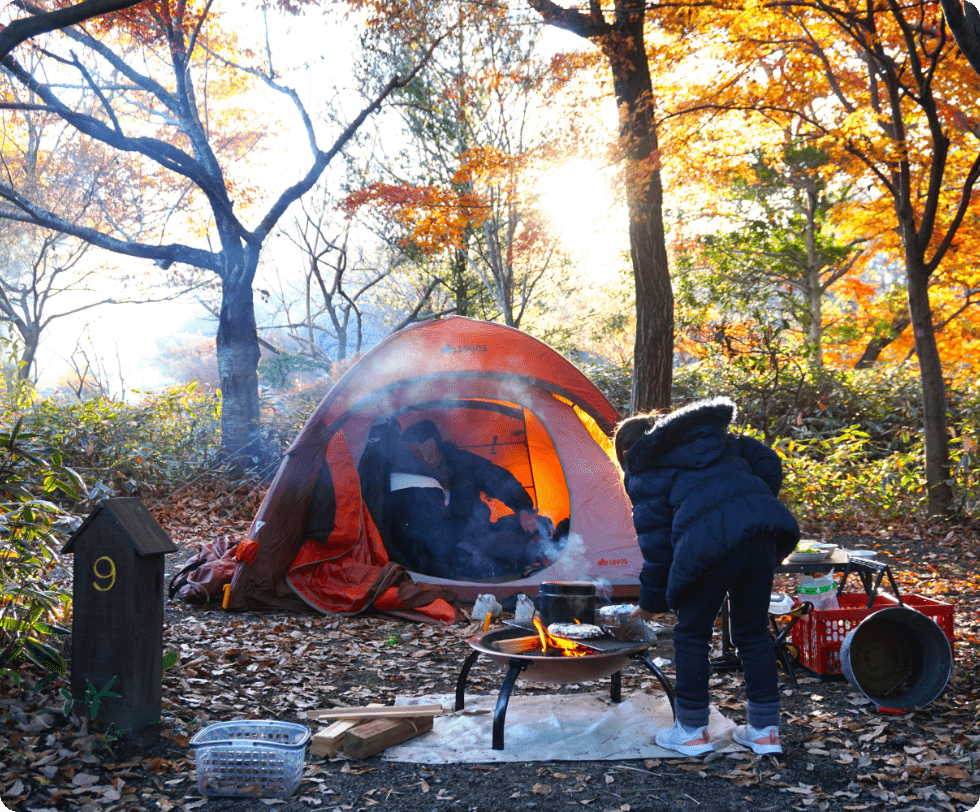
{"x":787,"y":654}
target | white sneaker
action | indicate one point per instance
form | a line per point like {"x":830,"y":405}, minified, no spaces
{"x":759,"y":742}
{"x":695,"y":742}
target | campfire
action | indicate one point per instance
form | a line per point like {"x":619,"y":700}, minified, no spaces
{"x":543,"y":643}
{"x":546,"y":657}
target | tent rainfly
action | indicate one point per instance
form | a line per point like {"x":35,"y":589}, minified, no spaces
{"x":318,"y":538}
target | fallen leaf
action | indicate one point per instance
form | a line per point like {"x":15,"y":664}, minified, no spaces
{"x":85,"y":780}
{"x":949,"y":771}
{"x":16,"y":790}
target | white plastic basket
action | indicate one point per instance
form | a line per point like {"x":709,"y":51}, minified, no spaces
{"x":250,"y":758}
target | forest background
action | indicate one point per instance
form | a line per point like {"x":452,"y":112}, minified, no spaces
{"x":771,"y":201}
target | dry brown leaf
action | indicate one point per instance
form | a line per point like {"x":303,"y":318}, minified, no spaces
{"x":949,"y":771}
{"x":541,"y":789}
{"x":965,"y":797}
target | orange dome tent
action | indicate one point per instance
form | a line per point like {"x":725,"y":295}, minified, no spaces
{"x":490,"y":389}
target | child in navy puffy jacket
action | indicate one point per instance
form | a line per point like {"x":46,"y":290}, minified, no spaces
{"x":709,"y":523}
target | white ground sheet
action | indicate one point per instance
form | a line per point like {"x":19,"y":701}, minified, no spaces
{"x":575,"y":727}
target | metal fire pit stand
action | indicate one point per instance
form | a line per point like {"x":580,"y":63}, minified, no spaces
{"x":516,"y":664}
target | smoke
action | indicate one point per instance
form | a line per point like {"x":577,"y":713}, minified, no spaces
{"x":508,"y":554}
{"x":603,"y":589}
{"x":571,"y":563}
{"x":568,"y":555}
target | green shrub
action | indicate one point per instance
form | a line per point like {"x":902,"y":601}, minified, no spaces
{"x":851,"y":441}
{"x":613,"y":380}
{"x":838,"y":478}
{"x":29,"y":605}
{"x":163,"y":439}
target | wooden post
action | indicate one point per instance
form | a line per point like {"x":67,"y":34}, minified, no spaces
{"x":117,"y":625}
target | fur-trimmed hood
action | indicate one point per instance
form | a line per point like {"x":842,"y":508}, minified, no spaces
{"x":696,"y":435}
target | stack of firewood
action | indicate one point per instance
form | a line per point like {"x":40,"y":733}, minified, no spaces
{"x":362,"y":732}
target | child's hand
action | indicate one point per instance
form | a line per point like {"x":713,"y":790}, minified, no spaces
{"x":638,"y":612}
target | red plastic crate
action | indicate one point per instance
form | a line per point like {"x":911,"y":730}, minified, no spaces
{"x":819,"y":635}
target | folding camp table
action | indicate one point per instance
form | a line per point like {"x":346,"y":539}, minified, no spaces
{"x":870,"y":572}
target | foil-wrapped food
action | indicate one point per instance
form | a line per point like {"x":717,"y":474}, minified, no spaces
{"x":618,"y":621}
{"x":574,"y":631}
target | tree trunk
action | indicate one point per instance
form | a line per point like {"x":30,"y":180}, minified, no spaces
{"x":460,"y":290}
{"x":878,"y":343}
{"x":31,"y":336}
{"x":621,"y":42}
{"x":814,"y":291}
{"x":238,"y":361}
{"x":935,"y":426}
{"x":653,"y":351}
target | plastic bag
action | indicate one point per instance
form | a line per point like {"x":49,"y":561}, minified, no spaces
{"x":821,"y":592}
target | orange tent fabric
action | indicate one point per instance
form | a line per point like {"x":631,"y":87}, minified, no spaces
{"x":350,"y":573}
{"x":490,"y":389}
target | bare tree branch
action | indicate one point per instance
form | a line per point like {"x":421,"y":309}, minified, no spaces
{"x":42,"y":22}
{"x":24,"y":211}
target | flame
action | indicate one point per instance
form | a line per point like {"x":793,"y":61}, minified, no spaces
{"x":568,"y":648}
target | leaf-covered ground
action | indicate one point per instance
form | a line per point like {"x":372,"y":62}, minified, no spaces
{"x":840,"y":754}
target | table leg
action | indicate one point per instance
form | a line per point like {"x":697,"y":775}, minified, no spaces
{"x":728,"y":660}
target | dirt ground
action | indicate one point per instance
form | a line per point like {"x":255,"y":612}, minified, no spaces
{"x":840,"y":753}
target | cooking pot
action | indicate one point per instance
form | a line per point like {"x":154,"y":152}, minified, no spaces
{"x":566,"y":602}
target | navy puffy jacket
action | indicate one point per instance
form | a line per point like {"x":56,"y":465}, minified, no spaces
{"x":697,"y":493}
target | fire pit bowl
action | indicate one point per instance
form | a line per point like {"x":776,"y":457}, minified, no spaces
{"x":555,"y":669}
{"x":607,"y":659}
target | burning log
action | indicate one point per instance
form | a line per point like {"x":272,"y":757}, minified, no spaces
{"x":518,"y":645}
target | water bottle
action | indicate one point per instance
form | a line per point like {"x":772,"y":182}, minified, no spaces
{"x":525,"y":608}
{"x":821,"y":592}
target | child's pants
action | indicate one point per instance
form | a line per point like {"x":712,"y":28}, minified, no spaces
{"x":746,"y":577}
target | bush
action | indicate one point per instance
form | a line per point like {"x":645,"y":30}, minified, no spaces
{"x":165,"y":438}
{"x":851,"y":440}
{"x":29,"y":605}
{"x":613,"y":380}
